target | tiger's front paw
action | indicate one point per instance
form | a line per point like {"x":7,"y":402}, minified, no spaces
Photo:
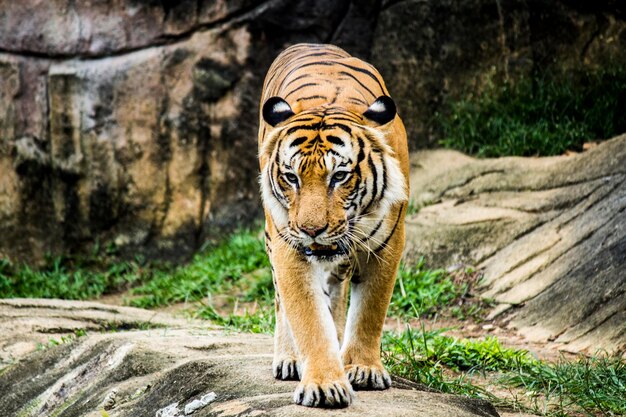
{"x":368,"y":377}
{"x":331,"y":394}
{"x":286,"y":368}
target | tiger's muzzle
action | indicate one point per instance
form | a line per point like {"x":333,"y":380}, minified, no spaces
{"x":325,"y":253}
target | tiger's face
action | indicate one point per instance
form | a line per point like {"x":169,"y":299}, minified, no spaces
{"x":328,"y":175}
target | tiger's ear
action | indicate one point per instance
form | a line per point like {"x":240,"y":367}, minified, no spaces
{"x":276,"y":110}
{"x":382,"y":111}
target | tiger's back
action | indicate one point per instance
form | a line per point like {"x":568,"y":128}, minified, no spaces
{"x":310,"y":75}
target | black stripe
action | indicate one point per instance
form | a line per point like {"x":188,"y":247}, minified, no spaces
{"x":322,"y":63}
{"x":370,"y":162}
{"x":292,"y":70}
{"x":298,"y":141}
{"x":295,"y":154}
{"x":280,"y":185}
{"x":337,"y":91}
{"x":303,"y":127}
{"x":363,"y":193}
{"x":299,"y":77}
{"x":364,"y":71}
{"x":312,"y":98}
{"x":273,"y":185}
{"x":344,"y":119}
{"x":282,"y":67}
{"x":361,"y":155}
{"x":320,"y":54}
{"x":373,"y":233}
{"x":384,"y":189}
{"x":337,"y":125}
{"x":335,"y":140}
{"x":299,"y":88}
{"x":359,"y":82}
{"x":358,"y":101}
{"x":332,"y":152}
{"x":346,"y":163}
{"x":395,"y":226}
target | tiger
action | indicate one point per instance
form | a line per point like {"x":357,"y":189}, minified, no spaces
{"x":333,"y":159}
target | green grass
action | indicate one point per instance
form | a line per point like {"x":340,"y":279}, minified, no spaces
{"x":545,"y":115}
{"x":592,"y":386}
{"x":445,"y":363}
{"x":218,"y":269}
{"x":65,"y":278}
{"x":585,"y":387}
{"x":237,"y":266}
{"x":63,"y":339}
{"x":422,"y":291}
{"x":260,"y":320}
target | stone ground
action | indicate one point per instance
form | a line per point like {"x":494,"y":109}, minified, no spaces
{"x":548,"y":233}
{"x":138,"y":363}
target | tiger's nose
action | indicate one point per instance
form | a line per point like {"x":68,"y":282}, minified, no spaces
{"x":315,"y":230}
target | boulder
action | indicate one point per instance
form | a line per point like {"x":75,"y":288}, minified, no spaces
{"x":172,"y":369}
{"x":132,"y":125}
{"x":549,"y":235}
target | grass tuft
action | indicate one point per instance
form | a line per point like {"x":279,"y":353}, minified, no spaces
{"x":422,"y":291}
{"x":218,"y":269}
{"x":432,"y":349}
{"x":592,"y":386}
{"x":546,"y":115}
{"x":67,"y":279}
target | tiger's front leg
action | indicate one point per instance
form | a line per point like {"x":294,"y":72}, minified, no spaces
{"x":323,"y":381}
{"x":285,"y":365}
{"x":369,"y":299}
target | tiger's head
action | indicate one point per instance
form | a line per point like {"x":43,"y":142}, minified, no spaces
{"x":329,"y":176}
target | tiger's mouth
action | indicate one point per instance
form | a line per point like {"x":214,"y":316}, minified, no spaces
{"x":324,"y":252}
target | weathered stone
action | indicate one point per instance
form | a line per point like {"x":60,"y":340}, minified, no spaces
{"x":163,"y":371}
{"x":26,"y":323}
{"x":549,"y":234}
{"x":62,"y":28}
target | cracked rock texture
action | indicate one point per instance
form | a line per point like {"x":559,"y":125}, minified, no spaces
{"x":133,"y":123}
{"x":165,"y":370}
{"x":549,"y":234}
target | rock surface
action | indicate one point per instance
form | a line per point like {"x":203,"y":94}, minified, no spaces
{"x":132,"y":124}
{"x":549,"y":234}
{"x":163,"y":371}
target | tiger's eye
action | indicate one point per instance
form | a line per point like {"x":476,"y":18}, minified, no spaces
{"x":292,"y":178}
{"x":339,"y":176}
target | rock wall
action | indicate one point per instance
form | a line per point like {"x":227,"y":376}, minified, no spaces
{"x":133,"y":123}
{"x":548,"y":234}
